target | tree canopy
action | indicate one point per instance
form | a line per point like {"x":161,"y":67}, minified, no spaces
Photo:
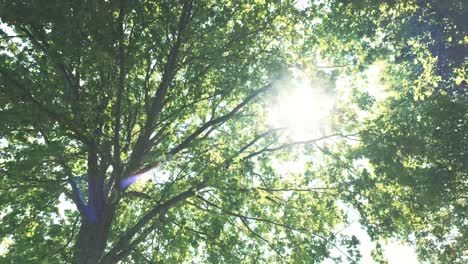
{"x":95,"y":93}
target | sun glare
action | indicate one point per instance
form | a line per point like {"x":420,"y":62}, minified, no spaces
{"x":302,"y":107}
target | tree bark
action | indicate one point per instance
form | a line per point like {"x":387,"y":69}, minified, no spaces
{"x":97,"y":218}
{"x":92,"y":238}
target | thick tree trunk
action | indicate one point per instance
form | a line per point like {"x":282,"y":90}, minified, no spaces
{"x":96,"y":216}
{"x":92,"y":238}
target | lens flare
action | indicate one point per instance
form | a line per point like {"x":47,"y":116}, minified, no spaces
{"x":139,"y":176}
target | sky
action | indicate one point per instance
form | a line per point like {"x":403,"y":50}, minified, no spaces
{"x":395,"y":252}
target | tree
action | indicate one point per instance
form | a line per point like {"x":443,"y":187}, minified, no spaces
{"x":93,"y":91}
{"x":408,"y":171}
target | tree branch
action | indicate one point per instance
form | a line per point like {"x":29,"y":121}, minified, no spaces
{"x":138,"y":194}
{"x":42,"y":44}
{"x":121,"y":89}
{"x":245,"y":223}
{"x":158,"y":100}
{"x":159,"y":209}
{"x":293,"y":189}
{"x":289,"y":145}
{"x":251,"y":143}
{"x":61,"y":119}
{"x":219,"y":120}
{"x":69,"y":240}
{"x":294,"y":228}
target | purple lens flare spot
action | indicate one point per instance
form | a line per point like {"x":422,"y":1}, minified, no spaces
{"x":145,"y":175}
{"x":125,"y":183}
{"x":90,"y":214}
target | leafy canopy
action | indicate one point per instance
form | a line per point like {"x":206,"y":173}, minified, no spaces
{"x":93,"y":91}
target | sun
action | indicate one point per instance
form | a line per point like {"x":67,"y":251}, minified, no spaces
{"x":302,"y":107}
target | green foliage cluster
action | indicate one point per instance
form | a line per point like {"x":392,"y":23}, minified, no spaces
{"x":93,"y":91}
{"x":409,"y":170}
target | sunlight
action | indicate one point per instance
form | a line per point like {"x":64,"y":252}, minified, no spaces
{"x":301,"y":4}
{"x":301,"y":106}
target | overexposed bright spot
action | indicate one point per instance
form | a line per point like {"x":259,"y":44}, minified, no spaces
{"x":295,"y":166}
{"x":65,"y":204}
{"x":302,"y":107}
{"x":8,"y":30}
{"x":5,"y":244}
{"x":3,"y":143}
{"x":369,"y":83}
{"x":395,"y":252}
{"x":302,"y":4}
{"x":374,"y":87}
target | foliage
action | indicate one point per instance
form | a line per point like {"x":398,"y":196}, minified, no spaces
{"x":93,"y":91}
{"x":408,"y":171}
